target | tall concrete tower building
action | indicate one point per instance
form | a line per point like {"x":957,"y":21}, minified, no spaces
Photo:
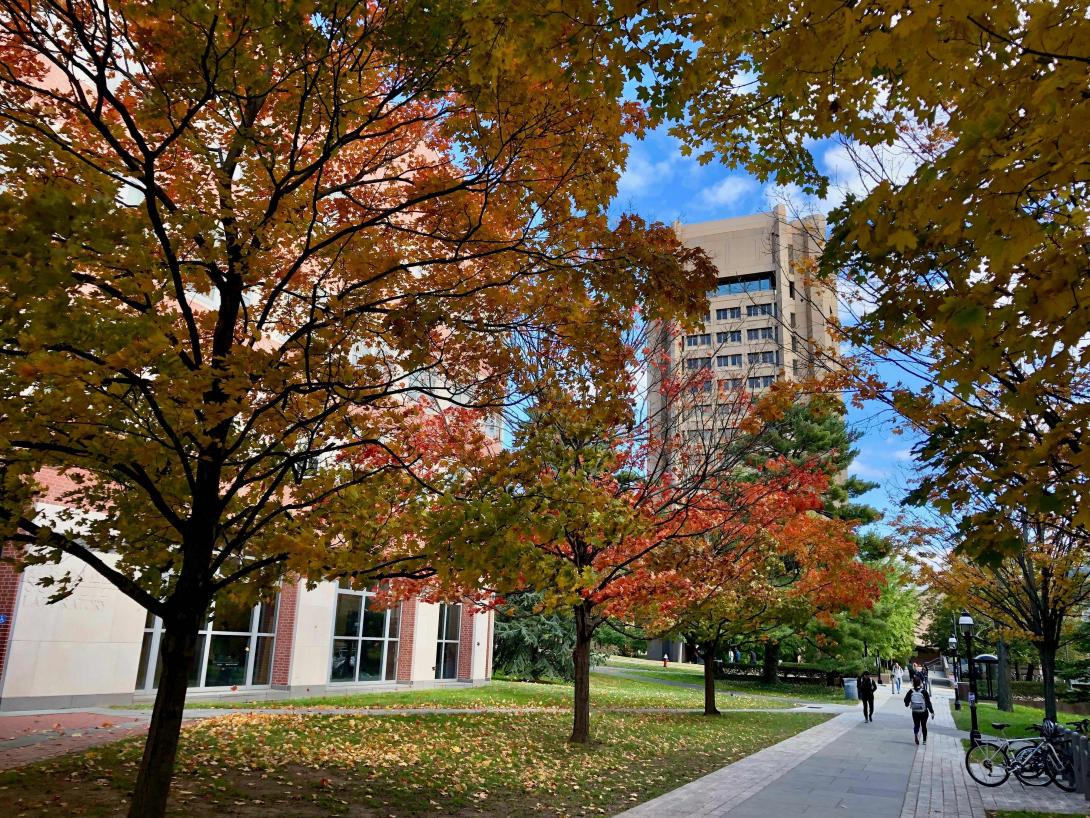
{"x":766,"y":317}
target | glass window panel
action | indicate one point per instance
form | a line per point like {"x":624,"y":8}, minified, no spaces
{"x":195,"y":671}
{"x":263,"y":656}
{"x":450,"y":662}
{"x":391,"y":661}
{"x":227,"y":661}
{"x":266,"y":617}
{"x":439,"y":659}
{"x":344,"y":660}
{"x":149,"y":620}
{"x":349,"y":607}
{"x":231,"y":616}
{"x":454,"y":621}
{"x":374,"y":620}
{"x":142,"y":668}
{"x":395,"y":622}
{"x":370,"y":660}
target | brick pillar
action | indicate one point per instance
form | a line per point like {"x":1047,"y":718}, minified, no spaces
{"x":9,"y":591}
{"x":405,"y":640}
{"x":465,"y":645}
{"x":285,"y":633}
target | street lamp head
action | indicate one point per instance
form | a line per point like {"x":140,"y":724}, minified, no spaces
{"x":953,"y":642}
{"x":965,"y":623}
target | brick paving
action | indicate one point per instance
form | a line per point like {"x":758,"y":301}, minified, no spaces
{"x":29,"y":737}
{"x":940,"y":787}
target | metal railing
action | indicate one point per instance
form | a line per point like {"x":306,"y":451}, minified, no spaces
{"x":1078,"y":745}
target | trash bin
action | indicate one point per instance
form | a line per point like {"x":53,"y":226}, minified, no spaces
{"x":851,"y":689}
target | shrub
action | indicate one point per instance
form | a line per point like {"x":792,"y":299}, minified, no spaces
{"x":1028,"y":690}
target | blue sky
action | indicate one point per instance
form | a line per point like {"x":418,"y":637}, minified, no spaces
{"x":659,"y":183}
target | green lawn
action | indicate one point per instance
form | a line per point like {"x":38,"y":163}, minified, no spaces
{"x":694,"y":674}
{"x":399,"y":766}
{"x":987,"y":712}
{"x":605,"y":692}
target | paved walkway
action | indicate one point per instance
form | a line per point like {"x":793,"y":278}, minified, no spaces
{"x":35,"y":736}
{"x":847,"y":765}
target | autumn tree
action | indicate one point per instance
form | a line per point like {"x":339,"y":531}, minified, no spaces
{"x":801,"y":568}
{"x":594,"y":497}
{"x":964,"y":129}
{"x":1037,"y":594}
{"x":246,"y":241}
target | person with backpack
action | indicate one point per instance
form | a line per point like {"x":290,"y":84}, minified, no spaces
{"x":867,"y":686}
{"x":920,"y":701}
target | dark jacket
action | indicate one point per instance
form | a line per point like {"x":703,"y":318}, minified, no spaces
{"x":926,"y":698}
{"x":867,"y":687}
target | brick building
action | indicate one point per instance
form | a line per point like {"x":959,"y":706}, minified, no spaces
{"x":99,"y":647}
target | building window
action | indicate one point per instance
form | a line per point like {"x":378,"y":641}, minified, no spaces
{"x":694,"y":364}
{"x":794,"y":343}
{"x":758,"y":309}
{"x":234,"y":648}
{"x":762,"y":334}
{"x":792,"y":320}
{"x":791,"y":288}
{"x":728,"y":313}
{"x":730,"y":383}
{"x":729,"y":360}
{"x":365,"y":638}
{"x":760,"y":282}
{"x":698,"y":340}
{"x":446,"y":641}
{"x":729,"y":337}
{"x":769,"y":357}
{"x":761,"y":381}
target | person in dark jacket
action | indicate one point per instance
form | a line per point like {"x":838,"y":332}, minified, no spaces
{"x":867,"y":686}
{"x":920,"y":701}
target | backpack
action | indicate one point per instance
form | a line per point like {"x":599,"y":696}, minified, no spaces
{"x":919,"y":703}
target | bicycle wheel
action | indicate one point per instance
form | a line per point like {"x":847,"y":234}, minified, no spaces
{"x":987,"y":763}
{"x":1061,"y":771}
{"x":1029,"y":767}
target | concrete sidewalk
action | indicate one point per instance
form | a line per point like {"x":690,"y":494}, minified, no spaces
{"x":847,"y":765}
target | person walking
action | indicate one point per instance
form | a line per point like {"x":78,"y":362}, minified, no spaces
{"x":896,"y":675}
{"x":920,"y":701}
{"x":867,"y":686}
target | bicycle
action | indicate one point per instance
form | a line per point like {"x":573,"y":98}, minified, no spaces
{"x":1037,"y":763}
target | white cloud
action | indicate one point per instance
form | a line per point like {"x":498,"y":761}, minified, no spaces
{"x":727,"y":192}
{"x":863,"y":470}
{"x":642,"y":173}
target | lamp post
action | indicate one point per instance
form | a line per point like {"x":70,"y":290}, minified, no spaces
{"x":953,"y":641}
{"x":965,"y":622}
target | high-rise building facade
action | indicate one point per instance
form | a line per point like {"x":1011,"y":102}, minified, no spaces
{"x":767,"y":317}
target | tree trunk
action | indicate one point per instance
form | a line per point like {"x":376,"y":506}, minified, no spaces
{"x":1030,"y":668}
{"x":177,"y":654}
{"x":710,"y":649}
{"x":580,"y":733}
{"x":1048,"y":674}
{"x":1003,"y":689}
{"x":770,"y":671}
